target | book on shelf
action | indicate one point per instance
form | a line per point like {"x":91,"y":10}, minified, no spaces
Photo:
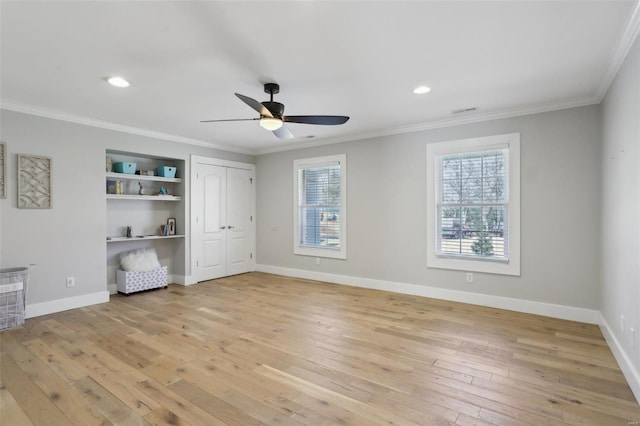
{"x":114,"y":187}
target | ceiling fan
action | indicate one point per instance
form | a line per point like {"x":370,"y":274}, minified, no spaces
{"x":272,"y":118}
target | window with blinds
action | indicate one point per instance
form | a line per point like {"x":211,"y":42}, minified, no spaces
{"x":320,"y":214}
{"x":473,"y":191}
{"x":472,"y":204}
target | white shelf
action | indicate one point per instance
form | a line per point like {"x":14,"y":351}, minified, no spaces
{"x":142,"y":177}
{"x":144,"y":197}
{"x":145,"y":237}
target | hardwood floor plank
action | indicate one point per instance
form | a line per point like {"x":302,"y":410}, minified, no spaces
{"x":182,"y":407}
{"x":325,"y":412}
{"x":11,"y":414}
{"x":572,"y":396}
{"x":163,"y":417}
{"x":265,"y":349}
{"x":369,"y":412}
{"x":465,"y":420}
{"x":116,"y":376}
{"x":56,"y":389}
{"x":63,"y":366}
{"x":35,"y":404}
{"x":107,"y":404}
{"x":215,"y":406}
{"x":164,"y":369}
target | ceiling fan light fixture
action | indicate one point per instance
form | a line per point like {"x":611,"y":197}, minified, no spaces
{"x":270,"y":123}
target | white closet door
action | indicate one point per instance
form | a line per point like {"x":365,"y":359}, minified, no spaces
{"x":239,"y":219}
{"x":222,"y":230}
{"x":210,"y":221}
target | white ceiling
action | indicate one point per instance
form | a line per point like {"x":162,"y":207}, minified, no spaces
{"x":186,"y":59}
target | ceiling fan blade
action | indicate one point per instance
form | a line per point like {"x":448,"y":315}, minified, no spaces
{"x":283,"y":133}
{"x":229,"y":119}
{"x":327,"y":120}
{"x":255,"y":105}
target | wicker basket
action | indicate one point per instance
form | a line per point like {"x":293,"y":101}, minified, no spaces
{"x":13,"y":288}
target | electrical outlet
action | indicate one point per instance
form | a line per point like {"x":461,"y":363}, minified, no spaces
{"x":317,"y":260}
{"x":71,"y":281}
{"x":622,"y":328}
{"x":469,"y":277}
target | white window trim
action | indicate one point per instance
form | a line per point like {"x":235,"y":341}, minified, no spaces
{"x":512,"y":267}
{"x":327,"y":252}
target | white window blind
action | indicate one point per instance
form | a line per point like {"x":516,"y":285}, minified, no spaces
{"x":320,"y":201}
{"x":472,"y":204}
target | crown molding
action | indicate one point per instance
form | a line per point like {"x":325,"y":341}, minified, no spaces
{"x":437,"y":124}
{"x":92,"y":122}
{"x":628,"y":37}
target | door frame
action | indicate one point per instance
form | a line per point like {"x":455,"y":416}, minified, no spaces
{"x":198,"y":159}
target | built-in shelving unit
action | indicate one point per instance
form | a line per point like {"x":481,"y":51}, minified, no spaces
{"x":162,"y":198}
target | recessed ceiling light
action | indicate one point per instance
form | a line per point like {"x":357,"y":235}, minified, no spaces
{"x":421,"y":90}
{"x":118,"y":82}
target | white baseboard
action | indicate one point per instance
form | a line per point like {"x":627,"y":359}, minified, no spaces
{"x":183,"y":280}
{"x":59,"y":305}
{"x":624,"y":361}
{"x":520,"y":305}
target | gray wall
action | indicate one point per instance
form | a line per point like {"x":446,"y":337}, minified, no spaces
{"x":69,"y":239}
{"x":620,"y":293}
{"x":386,"y":190}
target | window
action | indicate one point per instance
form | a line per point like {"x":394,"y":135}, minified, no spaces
{"x":320,"y":216}
{"x":474,"y":204}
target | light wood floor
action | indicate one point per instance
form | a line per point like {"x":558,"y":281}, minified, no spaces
{"x":264,"y":349}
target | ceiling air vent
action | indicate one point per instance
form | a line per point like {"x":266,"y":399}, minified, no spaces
{"x":462,"y":110}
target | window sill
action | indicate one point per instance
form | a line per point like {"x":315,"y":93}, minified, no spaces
{"x":329,"y":253}
{"x":489,"y":266}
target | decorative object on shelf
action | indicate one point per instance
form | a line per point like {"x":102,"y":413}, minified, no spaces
{"x":163,"y":191}
{"x":166,"y":171}
{"x":126,"y":168}
{"x":3,"y":170}
{"x":34,"y":182}
{"x":171,"y":223}
{"x":109,"y":164}
{"x":141,"y":189}
{"x":147,"y":173}
{"x":128,"y":232}
{"x":163,"y":230}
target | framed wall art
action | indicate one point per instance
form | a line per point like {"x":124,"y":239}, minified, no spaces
{"x":34,"y":182}
{"x":3,"y":170}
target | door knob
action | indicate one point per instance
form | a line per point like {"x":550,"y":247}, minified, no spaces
{"x":223,"y":227}
{"x":229,"y":227}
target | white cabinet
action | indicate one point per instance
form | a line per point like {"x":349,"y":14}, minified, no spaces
{"x":144,"y":214}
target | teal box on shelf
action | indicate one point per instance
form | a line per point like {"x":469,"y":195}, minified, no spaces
{"x":166,"y":171}
{"x":128,"y":168}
